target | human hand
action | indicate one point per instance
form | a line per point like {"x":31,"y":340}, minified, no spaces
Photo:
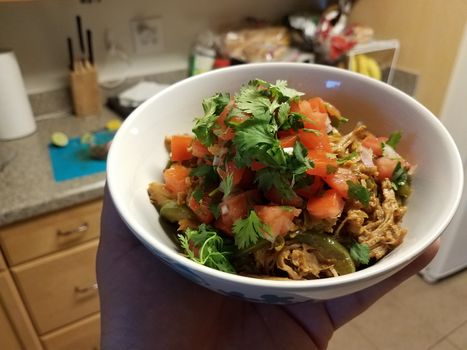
{"x":147,"y":305}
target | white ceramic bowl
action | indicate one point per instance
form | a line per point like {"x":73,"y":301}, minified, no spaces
{"x":138,"y":156}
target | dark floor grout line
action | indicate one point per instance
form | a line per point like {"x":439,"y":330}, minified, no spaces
{"x":445,"y":337}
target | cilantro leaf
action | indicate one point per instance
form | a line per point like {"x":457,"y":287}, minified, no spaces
{"x":215,"y":210}
{"x":283,"y":114}
{"x":268,"y":178}
{"x":394,"y":139}
{"x":294,"y":121}
{"x":360,"y":253}
{"x":247,"y":231}
{"x":207,"y":173}
{"x":299,"y":163}
{"x":359,"y":193}
{"x":226,"y":185}
{"x":211,"y":251}
{"x":279,"y":90}
{"x":212,"y":107}
{"x":198,"y":194}
{"x":252,"y":100}
{"x":399,"y":177}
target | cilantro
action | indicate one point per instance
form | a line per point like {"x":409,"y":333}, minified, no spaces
{"x":299,"y":163}
{"x":337,"y":121}
{"x":283,"y":113}
{"x":347,"y":157}
{"x":252,"y":100}
{"x":303,"y":180}
{"x":226,"y":185}
{"x":399,"y":177}
{"x":247,"y":231}
{"x":394,"y":139}
{"x":215,"y":210}
{"x":360,"y":253}
{"x":198,"y":194}
{"x":212,"y":107}
{"x":316,"y":132}
{"x":294,"y":121}
{"x":268,"y":178}
{"x":207,"y":173}
{"x":359,"y":193}
{"x":279,"y":90}
{"x":211,"y":248}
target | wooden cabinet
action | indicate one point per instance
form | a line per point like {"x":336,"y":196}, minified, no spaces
{"x":49,"y":264}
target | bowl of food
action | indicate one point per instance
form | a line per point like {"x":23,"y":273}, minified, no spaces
{"x":284,"y":182}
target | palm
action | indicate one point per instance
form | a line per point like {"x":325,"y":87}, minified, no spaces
{"x":145,"y":305}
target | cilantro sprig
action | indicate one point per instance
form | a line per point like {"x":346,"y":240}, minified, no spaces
{"x":247,"y":231}
{"x":206,"y":247}
{"x":360,"y":253}
{"x":394,"y":139}
{"x":359,"y":193}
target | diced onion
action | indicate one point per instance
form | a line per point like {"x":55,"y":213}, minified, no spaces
{"x":389,"y":152}
{"x":224,"y":209}
{"x":288,"y":150}
{"x":366,"y":154}
{"x":328,"y":125}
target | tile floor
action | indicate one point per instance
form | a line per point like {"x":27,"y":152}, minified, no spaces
{"x":414,"y":316}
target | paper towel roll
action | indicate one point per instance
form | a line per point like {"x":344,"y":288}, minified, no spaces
{"x":16,"y":118}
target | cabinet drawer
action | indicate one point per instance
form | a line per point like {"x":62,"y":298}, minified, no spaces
{"x":83,"y":335}
{"x":60,"y":288}
{"x":50,"y":233}
{"x":8,"y":338}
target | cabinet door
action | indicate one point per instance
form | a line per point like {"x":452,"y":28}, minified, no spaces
{"x":60,"y":288}
{"x":16,"y":329}
{"x":51,"y":233}
{"x":8,"y":338}
{"x":2,"y":263}
{"x":84,"y":334}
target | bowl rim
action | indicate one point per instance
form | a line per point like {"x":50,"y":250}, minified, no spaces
{"x":368,"y":273}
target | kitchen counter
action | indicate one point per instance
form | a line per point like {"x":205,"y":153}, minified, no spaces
{"x":27,"y":186}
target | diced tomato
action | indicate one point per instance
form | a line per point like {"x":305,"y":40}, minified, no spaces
{"x":235,"y":207}
{"x":317,"y":104}
{"x":338,"y":181}
{"x":278,"y":218}
{"x":198,"y":149}
{"x":315,"y":117}
{"x":315,"y":141}
{"x":176,"y":178}
{"x":179,"y":146}
{"x":310,"y":190}
{"x":327,"y":206}
{"x":274,"y":196}
{"x":201,"y":209}
{"x":322,"y":163}
{"x":288,"y":141}
{"x":385,"y":167}
{"x":255,"y":166}
{"x":373,"y":142}
{"x":248,"y":178}
{"x":231,"y":168}
{"x":284,"y":133}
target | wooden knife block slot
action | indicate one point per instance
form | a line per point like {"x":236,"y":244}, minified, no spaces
{"x":85,"y":91}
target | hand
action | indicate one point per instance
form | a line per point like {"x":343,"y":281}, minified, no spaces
{"x":146,"y":305}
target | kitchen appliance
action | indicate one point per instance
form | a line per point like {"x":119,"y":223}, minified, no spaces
{"x":452,"y":256}
{"x":16,"y":117}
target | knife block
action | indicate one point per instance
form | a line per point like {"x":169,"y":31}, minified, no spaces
{"x":85,"y":90}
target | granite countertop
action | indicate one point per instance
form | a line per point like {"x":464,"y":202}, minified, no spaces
{"x":27,"y":186}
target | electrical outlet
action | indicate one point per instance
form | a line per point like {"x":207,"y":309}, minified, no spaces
{"x":147,"y":34}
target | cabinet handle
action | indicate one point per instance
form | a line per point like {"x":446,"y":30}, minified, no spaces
{"x":80,"y":229}
{"x":87,"y":289}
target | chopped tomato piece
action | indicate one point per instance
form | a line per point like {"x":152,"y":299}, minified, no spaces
{"x":179,"y":146}
{"x":201,"y":209}
{"x":235,"y":207}
{"x":198,"y":149}
{"x":317,"y":104}
{"x":385,"y":167}
{"x":284,"y":133}
{"x":323,"y":165}
{"x":373,"y":142}
{"x":315,"y":117}
{"x":310,"y":190}
{"x":231,"y":168}
{"x":288,"y":141}
{"x":338,"y":181}
{"x":327,"y":206}
{"x":176,"y":178}
{"x":274,"y":196}
{"x":311,"y":140}
{"x":278,"y":218}
{"x":255,"y":166}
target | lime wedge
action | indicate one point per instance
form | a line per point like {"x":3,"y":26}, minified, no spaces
{"x":59,"y":139}
{"x":113,"y":124}
{"x":87,"y":138}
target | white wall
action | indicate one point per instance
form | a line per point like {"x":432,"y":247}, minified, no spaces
{"x":37,"y":32}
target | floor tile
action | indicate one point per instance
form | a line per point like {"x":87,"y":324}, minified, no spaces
{"x":445,"y":345}
{"x":349,"y":337}
{"x":459,"y":336}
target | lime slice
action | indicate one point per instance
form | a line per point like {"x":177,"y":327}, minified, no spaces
{"x":330,"y":249}
{"x":113,"y":124}
{"x":87,"y":138}
{"x":59,"y":139}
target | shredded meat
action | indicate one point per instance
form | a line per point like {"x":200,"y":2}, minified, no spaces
{"x":380,"y":229}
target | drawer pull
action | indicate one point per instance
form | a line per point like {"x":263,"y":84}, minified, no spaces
{"x":80,"y":229}
{"x":87,"y":289}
